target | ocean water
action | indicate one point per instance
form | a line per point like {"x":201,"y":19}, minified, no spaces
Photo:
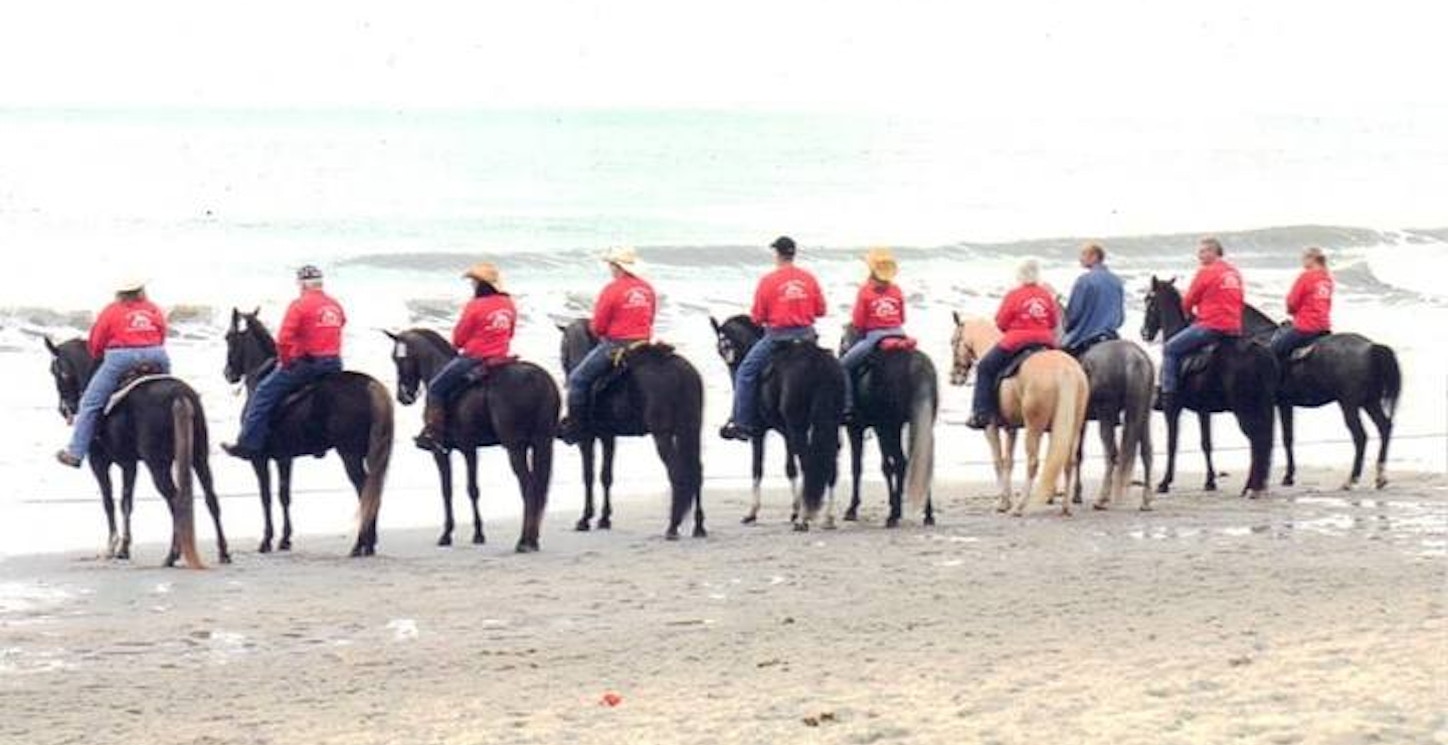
{"x":218,"y":208}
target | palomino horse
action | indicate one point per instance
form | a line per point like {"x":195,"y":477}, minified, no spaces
{"x":1347,"y":368}
{"x":159,"y":423}
{"x":658,"y":393}
{"x":801,"y":395}
{"x":349,"y":412}
{"x":1049,"y":394}
{"x":1240,"y":377}
{"x":517,"y":408}
{"x":1121,"y":379}
{"x":898,"y":387}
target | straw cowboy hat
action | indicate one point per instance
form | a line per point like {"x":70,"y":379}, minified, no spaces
{"x":882,"y":264}
{"x":484,"y":271}
{"x":625,"y":258}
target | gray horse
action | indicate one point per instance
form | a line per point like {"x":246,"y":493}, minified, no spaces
{"x":1121,"y":377}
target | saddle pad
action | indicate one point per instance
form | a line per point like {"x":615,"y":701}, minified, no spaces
{"x":1199,"y":360}
{"x":897,"y":344}
{"x":1023,"y":354}
{"x":120,"y":395}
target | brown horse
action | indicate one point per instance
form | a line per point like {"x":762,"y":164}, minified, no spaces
{"x":1049,"y":394}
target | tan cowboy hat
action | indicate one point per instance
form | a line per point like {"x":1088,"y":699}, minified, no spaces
{"x":131,"y":284}
{"x":625,"y":258}
{"x":484,"y":271}
{"x":882,"y":264}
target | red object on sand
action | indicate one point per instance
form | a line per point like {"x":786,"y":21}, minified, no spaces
{"x":610,"y":699}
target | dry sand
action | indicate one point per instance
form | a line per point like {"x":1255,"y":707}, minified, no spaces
{"x":1312,"y":617}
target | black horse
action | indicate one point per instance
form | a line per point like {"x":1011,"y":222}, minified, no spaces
{"x":160,"y":423}
{"x":517,"y":407}
{"x":1347,"y":368}
{"x":1240,"y":377}
{"x":802,"y":396}
{"x":656,"y":392}
{"x":896,"y":387}
{"x":348,"y":412}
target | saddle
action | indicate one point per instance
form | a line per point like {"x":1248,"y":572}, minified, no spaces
{"x":1301,"y":353}
{"x":1091,"y":341}
{"x":1014,"y":366}
{"x":864,"y":373}
{"x":626,"y":356}
{"x":480,"y":373}
{"x":133,"y":379}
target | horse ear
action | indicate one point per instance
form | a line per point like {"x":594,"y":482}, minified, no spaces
{"x":389,"y":334}
{"x":1172,"y":281}
{"x":714,"y":323}
{"x":561,"y":326}
{"x":955,"y":314}
{"x":256,"y":311}
{"x":50,"y":344}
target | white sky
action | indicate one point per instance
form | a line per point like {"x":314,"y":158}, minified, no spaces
{"x":951,"y":57}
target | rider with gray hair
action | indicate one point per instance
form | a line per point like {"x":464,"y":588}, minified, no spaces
{"x":1028,"y":318}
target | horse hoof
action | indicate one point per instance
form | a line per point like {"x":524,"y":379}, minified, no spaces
{"x":850,"y":516}
{"x":1349,"y":485}
{"x":699,"y":532}
{"x":582,"y":526}
{"x":123,"y":555}
{"x":525,"y":547}
{"x":929,"y":521}
{"x":801,"y":527}
{"x":1163,"y":488}
{"x":264,"y":548}
{"x":1144,"y":508}
{"x":446,"y":540}
{"x":224,"y":558}
{"x":829,"y":525}
{"x":1209,"y":486}
{"x":479,"y":539}
{"x":672,"y":534}
{"x":1288,"y":481}
{"x":604,"y":523}
{"x":1380,"y":483}
{"x":748,"y":520}
{"x":1065,"y":512}
{"x":1099,"y":506}
{"x":285,"y":545}
{"x":1076,"y":499}
{"x":893,"y":522}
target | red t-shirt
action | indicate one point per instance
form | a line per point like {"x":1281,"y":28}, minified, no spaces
{"x":1310,"y":301}
{"x":128,"y":324}
{"x":312,"y":327}
{"x":788,"y":297}
{"x":625,"y":310}
{"x":1215,"y":297}
{"x":878,"y":307}
{"x":486,"y":327}
{"x":1028,"y":315}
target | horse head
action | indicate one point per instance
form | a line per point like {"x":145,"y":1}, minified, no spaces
{"x":972,"y":338}
{"x":736,"y":335}
{"x":71,"y":366}
{"x":417,"y":354}
{"x":1162,"y":294}
{"x":578,"y":340}
{"x":249,"y":346}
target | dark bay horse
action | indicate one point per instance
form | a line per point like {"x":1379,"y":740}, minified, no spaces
{"x":159,"y":423}
{"x":897,"y":387}
{"x":659,"y":393}
{"x":1240,"y":377}
{"x":1122,"y":379}
{"x":802,"y":396}
{"x":348,"y":412}
{"x":1348,"y":369}
{"x":517,"y":407}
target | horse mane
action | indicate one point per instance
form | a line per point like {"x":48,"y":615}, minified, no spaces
{"x":1254,"y":320}
{"x":433,"y":339}
{"x":258,"y":331}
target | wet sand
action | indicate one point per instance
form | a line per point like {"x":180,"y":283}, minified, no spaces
{"x":1314,"y":616}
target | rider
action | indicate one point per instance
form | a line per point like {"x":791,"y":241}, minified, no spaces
{"x":879,"y":314}
{"x":1097,"y":306}
{"x":1028,"y":317}
{"x":786,"y":303}
{"x":309,"y":347}
{"x":1215,"y":298}
{"x":623,"y":314}
{"x":129,"y":333}
{"x":1310,"y":305}
{"x":482,"y":335}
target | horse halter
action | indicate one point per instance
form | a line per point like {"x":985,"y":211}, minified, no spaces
{"x":964,"y":358}
{"x":409,"y":377}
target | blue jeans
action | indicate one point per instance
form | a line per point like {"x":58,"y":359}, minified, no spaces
{"x":593,"y":366}
{"x":987,"y":375}
{"x":452,"y":378}
{"x":273,"y":389}
{"x":1288,"y":340}
{"x":746,"y":378}
{"x":103,"y":383}
{"x":1188,"y":340}
{"x":856,"y":356}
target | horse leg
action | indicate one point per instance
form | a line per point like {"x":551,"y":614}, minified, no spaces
{"x":445,"y":480}
{"x":213,"y":505}
{"x":585,"y":451}
{"x":1359,"y":443}
{"x":470,"y":461}
{"x":1285,"y":412}
{"x":284,"y":495}
{"x":263,"y":488}
{"x":161,"y":477}
{"x":1384,"y":423}
{"x":518,"y":459}
{"x":354,"y":463}
{"x":1173,"y":422}
{"x":605,"y":519}
{"x":1204,"y":422}
{"x":892,"y":461}
{"x":128,"y":496}
{"x":1075,"y":494}
{"x":994,"y":438}
{"x":678,"y":484}
{"x":791,"y":471}
{"x":1033,"y":466}
{"x":756,"y":466}
{"x":1111,"y":485}
{"x":857,"y":457}
{"x":102,"y":471}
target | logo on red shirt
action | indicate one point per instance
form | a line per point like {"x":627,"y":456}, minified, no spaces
{"x":794,"y":289}
{"x":329,"y":317}
{"x":636,"y":297}
{"x":1230,"y":281}
{"x":140,"y":321}
{"x":1036,"y":308}
{"x":500,"y":320}
{"x":885,"y":307}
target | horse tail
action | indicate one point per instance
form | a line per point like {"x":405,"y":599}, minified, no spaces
{"x":1390,"y":377}
{"x":183,"y":415}
{"x":920,"y":463}
{"x":1066,"y":426}
{"x":822,"y":438}
{"x":379,"y":455}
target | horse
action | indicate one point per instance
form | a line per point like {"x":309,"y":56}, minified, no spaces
{"x":349,"y":412}
{"x":1049,"y":394}
{"x":1121,"y":379}
{"x":896,"y":387}
{"x":160,"y":422}
{"x":1347,"y":368}
{"x":1240,"y":377}
{"x":517,"y":407}
{"x":657,"y":392}
{"x":802,"y":396}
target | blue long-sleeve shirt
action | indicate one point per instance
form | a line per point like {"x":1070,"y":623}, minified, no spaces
{"x":1097,"y":305}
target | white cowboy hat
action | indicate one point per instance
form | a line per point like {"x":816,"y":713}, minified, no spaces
{"x":133,"y":283}
{"x":626,"y":258}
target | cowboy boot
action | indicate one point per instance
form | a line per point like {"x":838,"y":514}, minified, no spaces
{"x":434,"y":428}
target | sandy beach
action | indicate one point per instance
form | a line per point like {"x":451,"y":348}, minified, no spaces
{"x":1315,"y":616}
